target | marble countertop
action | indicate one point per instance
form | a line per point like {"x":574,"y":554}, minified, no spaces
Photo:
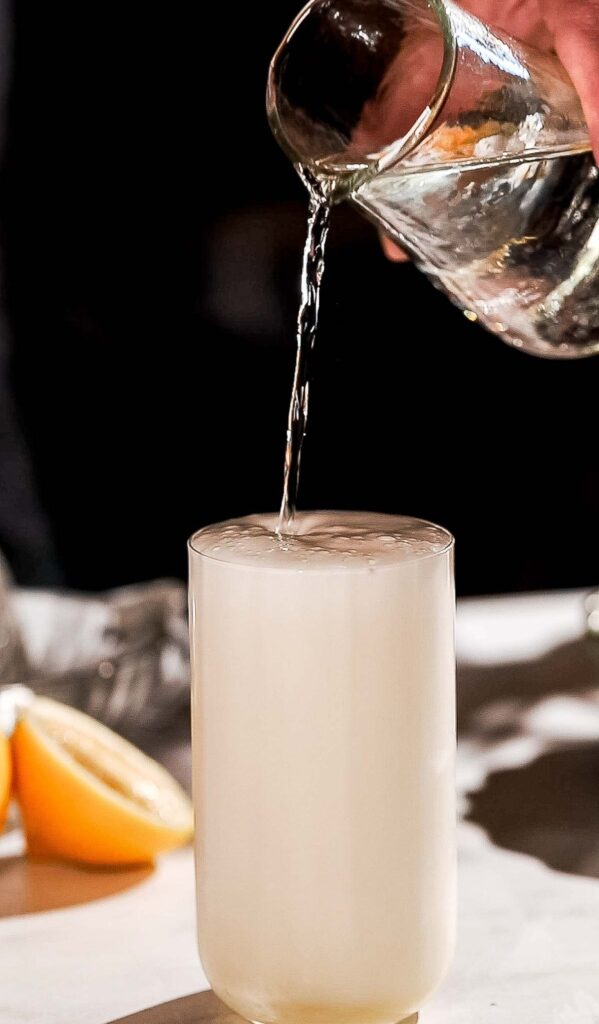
{"x":83,"y":947}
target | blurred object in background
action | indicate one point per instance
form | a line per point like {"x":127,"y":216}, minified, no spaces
{"x":592,"y":610}
{"x":122,"y":657}
{"x":14,"y":664}
{"x":24,"y":529}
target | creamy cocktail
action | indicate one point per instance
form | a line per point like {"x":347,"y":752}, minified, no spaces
{"x":324,"y":734}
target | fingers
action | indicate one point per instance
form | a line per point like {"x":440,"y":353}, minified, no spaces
{"x":392,"y":251}
{"x":577,"y":44}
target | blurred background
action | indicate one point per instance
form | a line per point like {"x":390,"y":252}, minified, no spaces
{"x":151,"y":236}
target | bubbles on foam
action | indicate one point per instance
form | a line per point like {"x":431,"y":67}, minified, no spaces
{"x":343,"y":541}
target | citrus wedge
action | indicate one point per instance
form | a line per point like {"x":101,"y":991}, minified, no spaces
{"x":5,"y":778}
{"x":88,"y":795}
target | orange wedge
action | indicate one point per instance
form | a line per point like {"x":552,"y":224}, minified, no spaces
{"x":5,"y":778}
{"x":88,"y":795}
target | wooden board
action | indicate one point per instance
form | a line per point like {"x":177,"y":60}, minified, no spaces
{"x":201,"y":1008}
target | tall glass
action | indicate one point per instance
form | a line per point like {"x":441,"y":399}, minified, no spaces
{"x":324,"y":736}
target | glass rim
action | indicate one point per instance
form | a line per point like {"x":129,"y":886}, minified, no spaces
{"x":385,"y":157}
{"x":447,"y":547}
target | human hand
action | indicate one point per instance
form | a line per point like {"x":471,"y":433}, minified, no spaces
{"x":570,"y":29}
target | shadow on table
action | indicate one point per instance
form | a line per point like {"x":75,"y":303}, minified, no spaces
{"x":548,"y":809}
{"x":201,"y":1008}
{"x":30,"y":886}
{"x":549,"y":806}
{"x":568,"y":669}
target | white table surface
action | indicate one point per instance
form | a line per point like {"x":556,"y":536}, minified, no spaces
{"x":528,"y":947}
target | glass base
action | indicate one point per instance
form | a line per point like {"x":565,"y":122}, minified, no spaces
{"x":412,"y":1019}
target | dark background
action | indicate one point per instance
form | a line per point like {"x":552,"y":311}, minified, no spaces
{"x":152,"y":234}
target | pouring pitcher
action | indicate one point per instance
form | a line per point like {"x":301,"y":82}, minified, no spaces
{"x":466,"y":147}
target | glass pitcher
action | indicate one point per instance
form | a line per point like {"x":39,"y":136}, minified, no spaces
{"x":466,"y":147}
